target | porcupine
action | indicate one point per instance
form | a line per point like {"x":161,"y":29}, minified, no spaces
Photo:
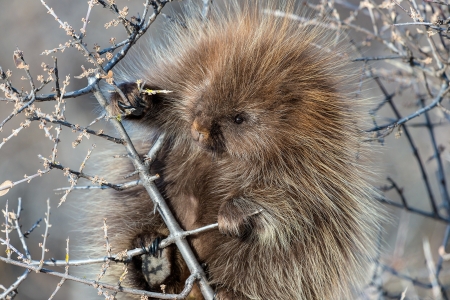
{"x":262,"y":136}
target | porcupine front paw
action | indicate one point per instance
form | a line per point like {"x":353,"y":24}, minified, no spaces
{"x":135,"y":103}
{"x":238,"y":217}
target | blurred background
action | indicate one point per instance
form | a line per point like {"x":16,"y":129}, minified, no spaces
{"x":27,"y":26}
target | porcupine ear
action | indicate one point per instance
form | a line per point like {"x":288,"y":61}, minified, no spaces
{"x":139,"y":99}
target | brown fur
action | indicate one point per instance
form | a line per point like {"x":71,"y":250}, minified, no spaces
{"x":263,"y":138}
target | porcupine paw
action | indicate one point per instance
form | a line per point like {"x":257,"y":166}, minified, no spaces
{"x":134,"y":105}
{"x":234,"y":220}
{"x":156,"y":264}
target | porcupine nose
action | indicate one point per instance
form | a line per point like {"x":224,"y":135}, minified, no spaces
{"x":198,"y":133}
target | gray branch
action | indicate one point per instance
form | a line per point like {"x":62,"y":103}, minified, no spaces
{"x":158,"y":200}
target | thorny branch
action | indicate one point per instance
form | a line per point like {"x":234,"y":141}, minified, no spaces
{"x":158,"y":201}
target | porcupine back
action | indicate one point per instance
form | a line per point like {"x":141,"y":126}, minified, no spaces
{"x":281,"y":162}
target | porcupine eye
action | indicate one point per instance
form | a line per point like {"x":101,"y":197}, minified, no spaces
{"x":238,"y":119}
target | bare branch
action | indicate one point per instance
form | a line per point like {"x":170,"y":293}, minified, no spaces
{"x":43,"y":244}
{"x":159,"y":202}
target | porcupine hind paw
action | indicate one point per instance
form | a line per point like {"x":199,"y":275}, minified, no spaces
{"x":156,"y":264}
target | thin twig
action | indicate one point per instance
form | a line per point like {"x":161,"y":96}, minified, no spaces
{"x":43,"y":244}
{"x":13,"y":287}
{"x":431,"y":269}
{"x":117,"y":187}
{"x":19,"y":232}
{"x":32,"y":228}
{"x":444,"y":90}
{"x":58,"y":286}
{"x":7,"y":230}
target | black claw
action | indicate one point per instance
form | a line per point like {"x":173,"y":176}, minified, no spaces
{"x":137,"y":110}
{"x":124,"y":106}
{"x":153,"y":249}
{"x":143,"y":247}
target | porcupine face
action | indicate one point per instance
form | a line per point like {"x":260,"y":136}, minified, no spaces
{"x":227,"y":127}
{"x":247,"y":120}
